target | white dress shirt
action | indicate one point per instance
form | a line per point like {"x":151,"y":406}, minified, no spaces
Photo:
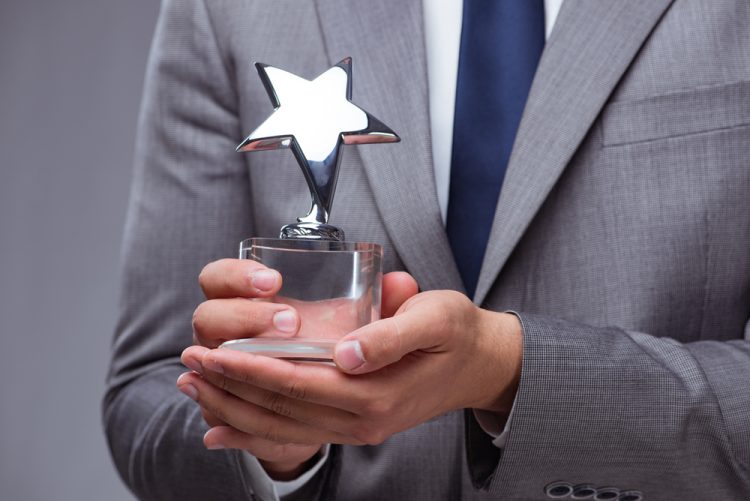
{"x":442,"y":23}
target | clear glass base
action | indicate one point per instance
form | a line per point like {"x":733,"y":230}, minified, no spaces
{"x":334,"y":286}
{"x":307,"y":350}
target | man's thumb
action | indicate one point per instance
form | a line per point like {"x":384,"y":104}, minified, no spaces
{"x":378,"y":344}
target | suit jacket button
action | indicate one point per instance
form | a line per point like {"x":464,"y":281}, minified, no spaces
{"x":557,"y":490}
{"x":630,"y":496}
{"x":583,"y":491}
{"x":607,"y":494}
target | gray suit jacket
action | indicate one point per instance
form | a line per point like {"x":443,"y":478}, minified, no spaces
{"x":622,"y":236}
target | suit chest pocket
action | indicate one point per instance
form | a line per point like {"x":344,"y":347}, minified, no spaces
{"x":677,"y":114}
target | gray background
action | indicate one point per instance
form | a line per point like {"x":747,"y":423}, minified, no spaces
{"x":70,"y":82}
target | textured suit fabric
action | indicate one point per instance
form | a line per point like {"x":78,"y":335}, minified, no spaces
{"x":621,"y":237}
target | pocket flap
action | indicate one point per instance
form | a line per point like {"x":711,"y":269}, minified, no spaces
{"x":678,"y":114}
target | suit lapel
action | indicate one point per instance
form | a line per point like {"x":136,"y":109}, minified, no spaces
{"x":386,"y":41}
{"x":591,"y":46}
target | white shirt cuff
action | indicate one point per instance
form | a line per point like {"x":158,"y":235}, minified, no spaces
{"x":266,"y":488}
{"x":490,"y":424}
{"x":284,"y":488}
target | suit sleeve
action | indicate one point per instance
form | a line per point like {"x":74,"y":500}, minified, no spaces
{"x":610,"y":407}
{"x":189,"y":206}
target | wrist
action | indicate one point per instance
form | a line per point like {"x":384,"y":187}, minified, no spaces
{"x":286,"y":471}
{"x":502,"y":354}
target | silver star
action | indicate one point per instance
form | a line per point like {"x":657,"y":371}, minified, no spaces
{"x":314,"y":118}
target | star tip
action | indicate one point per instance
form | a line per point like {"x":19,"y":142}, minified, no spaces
{"x":386,"y":133}
{"x":391,"y":137}
{"x":249,"y":144}
{"x":261,"y":69}
{"x":345,"y":63}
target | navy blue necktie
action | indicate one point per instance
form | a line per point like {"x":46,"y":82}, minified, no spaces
{"x":501,"y":42}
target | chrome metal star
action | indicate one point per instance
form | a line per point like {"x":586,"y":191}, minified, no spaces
{"x":315,"y":118}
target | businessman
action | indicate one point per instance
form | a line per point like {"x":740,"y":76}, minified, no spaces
{"x":571,"y":197}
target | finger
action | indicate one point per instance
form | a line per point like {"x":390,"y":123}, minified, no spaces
{"x":252,"y":419}
{"x":210,"y":419}
{"x":330,"y":418}
{"x":398,"y":286}
{"x":315,"y":383}
{"x":226,"y":437}
{"x":192,"y":358}
{"x":238,"y":278}
{"x":219,"y":320}
{"x":387,"y":341}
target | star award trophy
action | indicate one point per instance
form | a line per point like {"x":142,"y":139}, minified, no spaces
{"x":334,"y":285}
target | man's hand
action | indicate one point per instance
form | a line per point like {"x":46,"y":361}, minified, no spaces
{"x":438,"y":353}
{"x":238,"y":306}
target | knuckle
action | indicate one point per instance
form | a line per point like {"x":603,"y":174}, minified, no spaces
{"x":277,"y":404}
{"x":208,"y":325}
{"x":224,"y":383}
{"x":361,"y":433}
{"x":355,"y":441}
{"x":378,"y":408}
{"x":296,"y":389}
{"x":450,"y":296}
{"x":456,"y":308}
{"x":377,"y":437}
{"x":252,"y":314}
{"x":270,"y":433}
{"x":370,"y":434}
{"x":393,"y":342}
{"x":247,"y":378}
{"x":228,"y":282}
{"x":203,"y":276}
{"x":379,"y":403}
{"x":198,"y":319}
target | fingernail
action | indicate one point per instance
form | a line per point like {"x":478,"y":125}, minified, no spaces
{"x":265,"y":280}
{"x":193,"y":364}
{"x":213,"y":366}
{"x":285,"y":321}
{"x":189,"y":390}
{"x":214,"y":446}
{"x":349,"y":355}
